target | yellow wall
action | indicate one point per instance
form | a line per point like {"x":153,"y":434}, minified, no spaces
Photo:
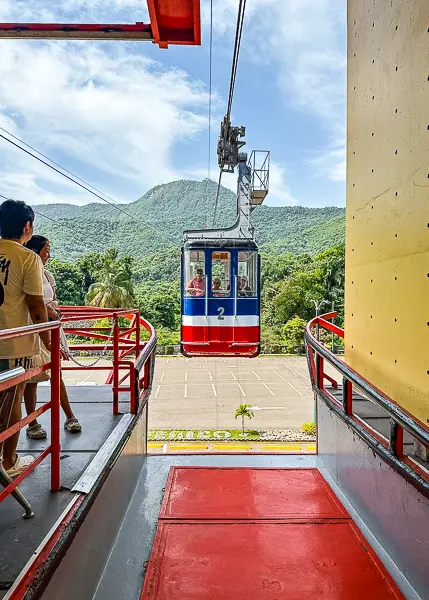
{"x":387,"y":287}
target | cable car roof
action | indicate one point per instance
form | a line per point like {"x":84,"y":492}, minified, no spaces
{"x":171,"y":22}
{"x":233,"y":243}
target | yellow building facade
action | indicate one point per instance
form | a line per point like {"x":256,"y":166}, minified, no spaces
{"x":387,"y":238}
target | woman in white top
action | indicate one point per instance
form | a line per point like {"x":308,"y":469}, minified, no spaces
{"x":41,"y":246}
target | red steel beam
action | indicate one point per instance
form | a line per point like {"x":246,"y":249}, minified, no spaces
{"x":74,"y":31}
{"x":172,"y":22}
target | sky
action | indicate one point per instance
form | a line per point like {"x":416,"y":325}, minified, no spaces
{"x":126,"y":116}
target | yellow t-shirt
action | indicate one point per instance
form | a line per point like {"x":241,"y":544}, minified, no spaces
{"x":21,"y":273}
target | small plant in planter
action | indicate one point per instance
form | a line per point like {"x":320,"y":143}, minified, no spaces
{"x":309,"y":428}
{"x":243,"y":411}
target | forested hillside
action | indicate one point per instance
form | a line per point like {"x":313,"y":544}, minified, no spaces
{"x":155,"y":222}
{"x":112,"y":258}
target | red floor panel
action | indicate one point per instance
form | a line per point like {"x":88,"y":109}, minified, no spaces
{"x":264,"y":561}
{"x":247,"y":493}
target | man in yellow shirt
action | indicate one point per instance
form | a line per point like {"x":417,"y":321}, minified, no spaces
{"x":21,"y":303}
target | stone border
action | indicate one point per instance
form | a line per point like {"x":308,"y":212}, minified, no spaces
{"x":228,"y":435}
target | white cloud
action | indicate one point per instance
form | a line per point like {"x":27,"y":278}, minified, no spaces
{"x":92,"y":103}
{"x":88,"y":103}
{"x":305,"y":41}
{"x":331,"y":163}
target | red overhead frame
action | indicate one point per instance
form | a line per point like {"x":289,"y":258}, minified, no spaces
{"x":172,"y":22}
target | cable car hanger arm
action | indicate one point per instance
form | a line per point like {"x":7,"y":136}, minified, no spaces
{"x":171,"y":23}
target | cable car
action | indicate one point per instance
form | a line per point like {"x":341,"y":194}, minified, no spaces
{"x":220,"y":281}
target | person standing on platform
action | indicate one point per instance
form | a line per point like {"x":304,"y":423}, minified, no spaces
{"x":41,"y":246}
{"x":21,"y":304}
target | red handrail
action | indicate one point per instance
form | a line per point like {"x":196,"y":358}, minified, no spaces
{"x":53,"y":404}
{"x":122,"y":346}
{"x":392,"y":449}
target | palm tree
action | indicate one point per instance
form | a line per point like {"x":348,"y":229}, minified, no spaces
{"x":244,"y":410}
{"x":113,"y":290}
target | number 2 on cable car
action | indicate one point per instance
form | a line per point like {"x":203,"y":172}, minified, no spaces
{"x":221,"y":310}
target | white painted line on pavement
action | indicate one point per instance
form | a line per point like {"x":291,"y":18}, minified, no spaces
{"x":186,"y":375}
{"x":186,"y":391}
{"x":294,"y":388}
{"x":241,"y":390}
{"x":214,"y":390}
{"x":223,"y":360}
{"x":210,"y":375}
{"x":242,"y":360}
{"x":256,"y":375}
{"x":271,"y":391}
{"x":205,"y":360}
{"x":233,"y":375}
{"x":168,"y":360}
{"x":300,"y":374}
{"x":162,"y":376}
{"x":157,"y":391}
{"x":281,"y":376}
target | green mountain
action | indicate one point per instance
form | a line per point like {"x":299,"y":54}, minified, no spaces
{"x":155,"y":222}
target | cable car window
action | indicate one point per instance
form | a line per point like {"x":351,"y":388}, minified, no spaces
{"x":247,"y":273}
{"x":221,"y":274}
{"x":194,"y":273}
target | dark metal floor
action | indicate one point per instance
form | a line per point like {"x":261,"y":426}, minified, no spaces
{"x":20,"y":538}
{"x":120,"y":575}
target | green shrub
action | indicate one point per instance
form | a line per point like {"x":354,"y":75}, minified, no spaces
{"x":309,"y":428}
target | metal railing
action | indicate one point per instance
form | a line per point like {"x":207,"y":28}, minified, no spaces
{"x":123,"y":342}
{"x":391,"y":449}
{"x":259,"y":163}
{"x":8,"y":382}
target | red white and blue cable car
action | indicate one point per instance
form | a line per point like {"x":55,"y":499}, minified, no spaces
{"x":221,"y":277}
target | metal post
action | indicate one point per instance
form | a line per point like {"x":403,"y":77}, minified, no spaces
{"x":137,"y":334}
{"x":55,"y":409}
{"x":146,"y":375}
{"x":115,"y":365}
{"x":396,"y":439}
{"x":319,"y":371}
{"x":347,"y":396}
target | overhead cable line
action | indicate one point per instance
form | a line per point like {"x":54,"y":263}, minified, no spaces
{"x":210,"y":106}
{"x":217,"y":197}
{"x":73,"y":180}
{"x":65,"y":175}
{"x":38,"y":213}
{"x":57,"y":164}
{"x":237,"y":44}
{"x":234,"y":65}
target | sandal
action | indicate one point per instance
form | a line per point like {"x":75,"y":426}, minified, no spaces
{"x":73,"y":426}
{"x":36,"y":432}
{"x":21,"y":463}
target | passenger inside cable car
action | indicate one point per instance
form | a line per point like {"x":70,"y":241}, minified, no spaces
{"x":217,"y":288}
{"x":196,"y":285}
{"x":243,"y":287}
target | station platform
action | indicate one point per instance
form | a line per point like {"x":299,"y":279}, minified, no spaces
{"x":214,"y":526}
{"x":20,"y":538}
{"x":266,"y":533}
